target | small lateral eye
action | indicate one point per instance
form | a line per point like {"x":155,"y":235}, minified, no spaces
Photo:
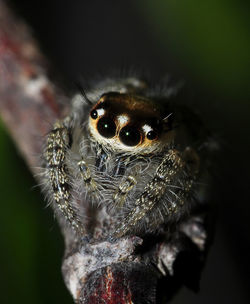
{"x":130,"y":136}
{"x":151,"y":135}
{"x":94,"y":114}
{"x":106,"y":127}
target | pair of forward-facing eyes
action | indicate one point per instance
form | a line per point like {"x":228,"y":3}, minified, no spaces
{"x":129,"y":135}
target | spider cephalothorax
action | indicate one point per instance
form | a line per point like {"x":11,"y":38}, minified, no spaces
{"x":129,"y":123}
{"x":127,"y":157}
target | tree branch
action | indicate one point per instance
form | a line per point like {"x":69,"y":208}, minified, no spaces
{"x":29,"y":102}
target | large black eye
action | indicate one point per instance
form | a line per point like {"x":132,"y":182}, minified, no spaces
{"x":151,"y":135}
{"x":106,"y":127}
{"x":130,"y":136}
{"x":94,"y":114}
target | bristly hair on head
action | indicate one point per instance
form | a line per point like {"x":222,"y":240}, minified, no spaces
{"x":83,"y":93}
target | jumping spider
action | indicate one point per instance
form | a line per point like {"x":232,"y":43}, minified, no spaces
{"x":125,"y":158}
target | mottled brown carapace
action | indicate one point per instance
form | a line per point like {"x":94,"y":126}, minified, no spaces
{"x":130,"y":122}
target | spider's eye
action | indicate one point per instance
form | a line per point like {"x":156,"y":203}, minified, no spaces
{"x":106,"y":127}
{"x":151,"y":135}
{"x":130,"y":136}
{"x":94,"y":114}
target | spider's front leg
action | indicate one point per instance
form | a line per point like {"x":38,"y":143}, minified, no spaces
{"x":172,"y":164}
{"x":58,"y":143}
{"x":87,"y":178}
{"x":124,"y":188}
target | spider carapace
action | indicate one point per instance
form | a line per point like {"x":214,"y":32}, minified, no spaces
{"x":125,"y":158}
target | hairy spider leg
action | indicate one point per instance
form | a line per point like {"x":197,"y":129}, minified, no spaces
{"x":123,"y":190}
{"x":182,"y":194}
{"x":87,"y":178}
{"x":171,"y":164}
{"x":58,"y":143}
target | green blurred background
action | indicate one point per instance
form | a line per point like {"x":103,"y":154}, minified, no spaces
{"x":205,"y":43}
{"x":31,"y":245}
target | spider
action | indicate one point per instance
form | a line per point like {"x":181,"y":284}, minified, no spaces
{"x":126,"y":159}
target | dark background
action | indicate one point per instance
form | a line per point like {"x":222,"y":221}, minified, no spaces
{"x":205,"y":43}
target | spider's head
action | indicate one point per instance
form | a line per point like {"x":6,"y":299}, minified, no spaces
{"x":129,"y":123}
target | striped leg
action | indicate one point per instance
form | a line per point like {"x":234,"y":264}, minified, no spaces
{"x":170,"y":166}
{"x":88,"y":180}
{"x":57,"y":144}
